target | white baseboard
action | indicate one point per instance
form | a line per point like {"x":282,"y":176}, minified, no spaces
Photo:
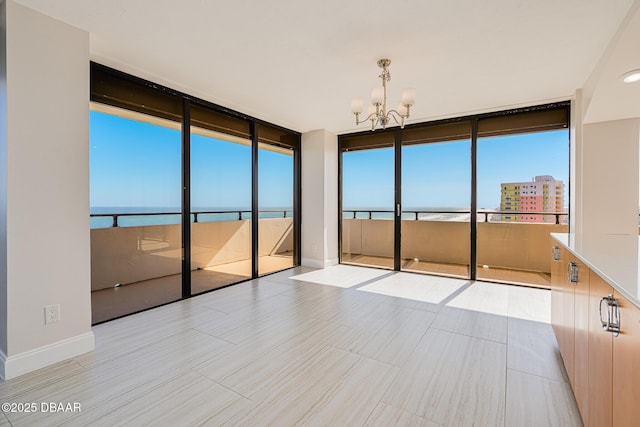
{"x":13,"y":366}
{"x":319,"y":263}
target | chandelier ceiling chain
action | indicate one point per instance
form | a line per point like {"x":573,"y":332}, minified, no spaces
{"x":377,"y":112}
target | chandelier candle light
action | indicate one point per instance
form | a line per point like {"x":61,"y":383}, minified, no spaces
{"x":377,"y":111}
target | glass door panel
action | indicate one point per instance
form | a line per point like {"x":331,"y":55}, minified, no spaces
{"x":368,"y":206}
{"x":276,"y":235}
{"x":522,"y":197}
{"x":220,"y":201}
{"x":135,"y":187}
{"x":436,"y":197}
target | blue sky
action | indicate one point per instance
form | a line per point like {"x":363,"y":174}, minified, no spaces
{"x":438,"y":175}
{"x":135,"y":164}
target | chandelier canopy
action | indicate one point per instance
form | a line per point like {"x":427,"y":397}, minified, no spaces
{"x":377,"y":111}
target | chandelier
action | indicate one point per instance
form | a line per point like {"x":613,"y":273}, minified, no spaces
{"x":377,"y":111}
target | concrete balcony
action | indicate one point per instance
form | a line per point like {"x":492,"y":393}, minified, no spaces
{"x":510,"y":252}
{"x":138,"y":267}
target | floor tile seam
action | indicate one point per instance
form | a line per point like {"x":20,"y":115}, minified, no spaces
{"x":276,"y":317}
{"x":195,"y":370}
{"x":75,"y":359}
{"x":315,"y":350}
{"x":282,"y":318}
{"x":391,"y":295}
{"x":19,"y":397}
{"x":192,"y":325}
{"x":173,"y":373}
{"x":244,"y":300}
{"x":382,"y":400}
{"x":468,"y":336}
{"x":331,"y":391}
{"x":428,"y":310}
{"x":538,"y":322}
{"x":113,"y":357}
{"x":417,"y":341}
{"x":383,"y":393}
{"x":146,"y":409}
{"x":553,"y":380}
{"x":366,"y":358}
{"x":7,"y":397}
{"x":212,"y":335}
{"x":291,"y":375}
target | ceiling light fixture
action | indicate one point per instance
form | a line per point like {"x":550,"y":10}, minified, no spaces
{"x":377,"y":111}
{"x":631,"y":76}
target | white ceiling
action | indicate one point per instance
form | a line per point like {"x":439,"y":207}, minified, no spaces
{"x":297,"y":63}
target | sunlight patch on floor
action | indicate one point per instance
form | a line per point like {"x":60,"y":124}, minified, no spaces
{"x":416,"y":287}
{"x":342,"y":276}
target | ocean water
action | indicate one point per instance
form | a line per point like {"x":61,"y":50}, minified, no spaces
{"x":137,"y":216}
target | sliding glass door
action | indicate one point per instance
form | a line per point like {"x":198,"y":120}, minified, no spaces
{"x":220,"y":200}
{"x":277,"y":215}
{"x":436,"y":199}
{"x":136,"y":239}
{"x":522,"y":197}
{"x":368,"y":206}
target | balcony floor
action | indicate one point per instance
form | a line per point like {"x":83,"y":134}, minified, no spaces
{"x":304,"y":347}
{"x":111,"y":303}
{"x":501,"y":275}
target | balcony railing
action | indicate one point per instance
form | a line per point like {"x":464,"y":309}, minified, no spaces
{"x":239,"y":215}
{"x":483,"y":215}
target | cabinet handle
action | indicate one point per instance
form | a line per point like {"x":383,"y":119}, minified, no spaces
{"x":572,"y":267}
{"x":612,"y":324}
{"x":615,"y":324}
{"x":555,"y":253}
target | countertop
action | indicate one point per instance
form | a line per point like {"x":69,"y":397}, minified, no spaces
{"x":613,"y":257}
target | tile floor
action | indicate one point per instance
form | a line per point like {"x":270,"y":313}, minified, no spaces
{"x":344,"y":346}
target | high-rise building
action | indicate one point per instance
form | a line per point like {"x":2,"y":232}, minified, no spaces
{"x":528,"y":199}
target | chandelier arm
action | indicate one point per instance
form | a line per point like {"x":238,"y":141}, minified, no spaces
{"x":395,"y":115}
{"x":369,"y":117}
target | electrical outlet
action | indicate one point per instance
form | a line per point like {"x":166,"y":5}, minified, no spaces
{"x":51,"y":313}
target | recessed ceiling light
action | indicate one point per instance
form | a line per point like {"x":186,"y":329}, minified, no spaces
{"x":631,"y":76}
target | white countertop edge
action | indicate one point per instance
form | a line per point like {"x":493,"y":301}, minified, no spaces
{"x":563,"y":238}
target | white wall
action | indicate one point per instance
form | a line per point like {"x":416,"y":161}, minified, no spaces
{"x":575,"y":162}
{"x":606,"y":133}
{"x":47,"y":191}
{"x":609,"y":179}
{"x":319,"y":199}
{"x":3,"y":179}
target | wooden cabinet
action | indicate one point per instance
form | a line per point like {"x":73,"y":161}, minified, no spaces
{"x":626,"y":365}
{"x":581,"y":311}
{"x":600,"y":399}
{"x":568,"y":319}
{"x":568,"y":327}
{"x":602,"y":363}
{"x":558,"y":254}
